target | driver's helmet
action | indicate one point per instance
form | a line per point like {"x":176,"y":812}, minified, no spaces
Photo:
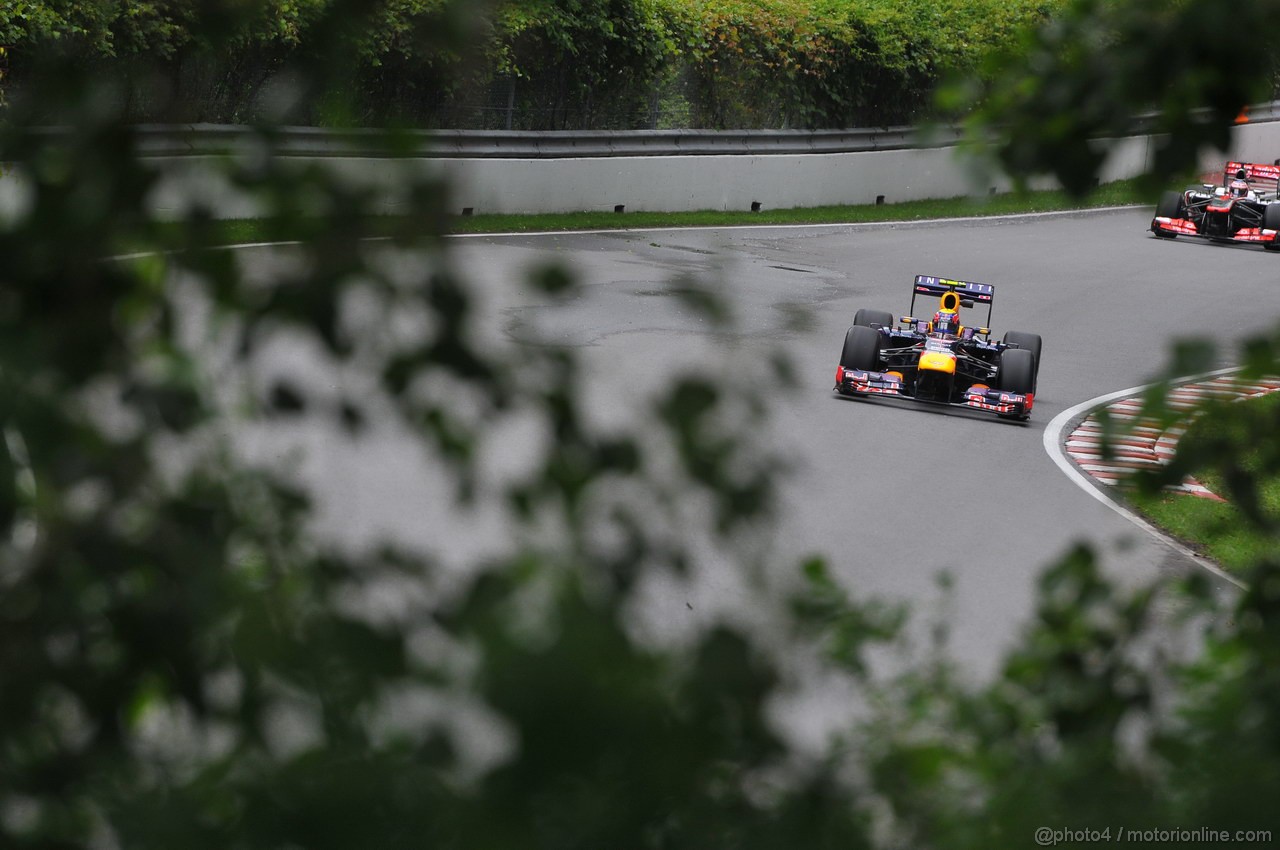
{"x":946,"y":322}
{"x":1239,"y":186}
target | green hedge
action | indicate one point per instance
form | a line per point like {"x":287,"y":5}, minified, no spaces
{"x":547,"y":64}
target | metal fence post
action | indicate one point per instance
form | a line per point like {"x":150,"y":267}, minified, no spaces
{"x":511,"y":103}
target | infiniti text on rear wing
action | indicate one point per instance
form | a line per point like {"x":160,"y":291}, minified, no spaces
{"x":971,"y":294}
{"x":930,"y":285}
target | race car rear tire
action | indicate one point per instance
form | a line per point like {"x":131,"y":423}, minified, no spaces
{"x":867,"y":318}
{"x":861,"y":349}
{"x":1017,"y":371}
{"x":1028,"y":342}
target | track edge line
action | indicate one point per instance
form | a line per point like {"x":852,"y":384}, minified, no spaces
{"x":1053,"y":446}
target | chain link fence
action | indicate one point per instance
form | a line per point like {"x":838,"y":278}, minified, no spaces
{"x":740,"y":97}
{"x":513,"y":103}
{"x":682,"y":99}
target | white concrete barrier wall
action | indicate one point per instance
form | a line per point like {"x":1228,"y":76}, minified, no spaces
{"x":638,"y":184}
{"x":655,"y":183}
{"x":1255,"y":142}
{"x":689,"y":183}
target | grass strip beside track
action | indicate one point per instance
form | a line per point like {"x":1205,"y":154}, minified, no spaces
{"x":1219,"y":530}
{"x":1112,"y":194}
{"x":1119,"y":193}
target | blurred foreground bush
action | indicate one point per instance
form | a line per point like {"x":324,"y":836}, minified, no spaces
{"x":185,"y":662}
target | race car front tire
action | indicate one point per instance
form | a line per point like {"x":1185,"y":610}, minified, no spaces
{"x":867,"y":318}
{"x":1271,"y":221}
{"x":1028,"y":342}
{"x":861,"y":349}
{"x":1017,"y":371}
{"x":1172,"y":205}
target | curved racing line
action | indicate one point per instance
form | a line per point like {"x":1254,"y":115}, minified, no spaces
{"x":1054,"y":446}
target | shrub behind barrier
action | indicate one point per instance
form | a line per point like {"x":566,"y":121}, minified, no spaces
{"x":547,"y":64}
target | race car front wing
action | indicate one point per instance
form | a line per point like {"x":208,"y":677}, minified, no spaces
{"x":1186,"y":227}
{"x":979,"y":397}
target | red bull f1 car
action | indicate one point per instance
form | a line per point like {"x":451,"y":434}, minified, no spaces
{"x":940,"y":360}
{"x":1244,"y":208}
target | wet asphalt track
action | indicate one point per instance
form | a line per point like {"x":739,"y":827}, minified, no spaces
{"x":892,"y":493}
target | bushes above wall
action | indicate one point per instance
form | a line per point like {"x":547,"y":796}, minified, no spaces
{"x":548,"y":64}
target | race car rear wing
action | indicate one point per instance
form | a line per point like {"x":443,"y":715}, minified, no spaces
{"x":930,"y":285}
{"x":971,"y":294}
{"x":1255,"y":172}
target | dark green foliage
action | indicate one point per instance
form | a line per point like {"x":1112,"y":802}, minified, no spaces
{"x":529,"y":64}
{"x":1042,"y":746}
{"x":1086,"y":74}
{"x":186,"y":661}
{"x":586,"y":63}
